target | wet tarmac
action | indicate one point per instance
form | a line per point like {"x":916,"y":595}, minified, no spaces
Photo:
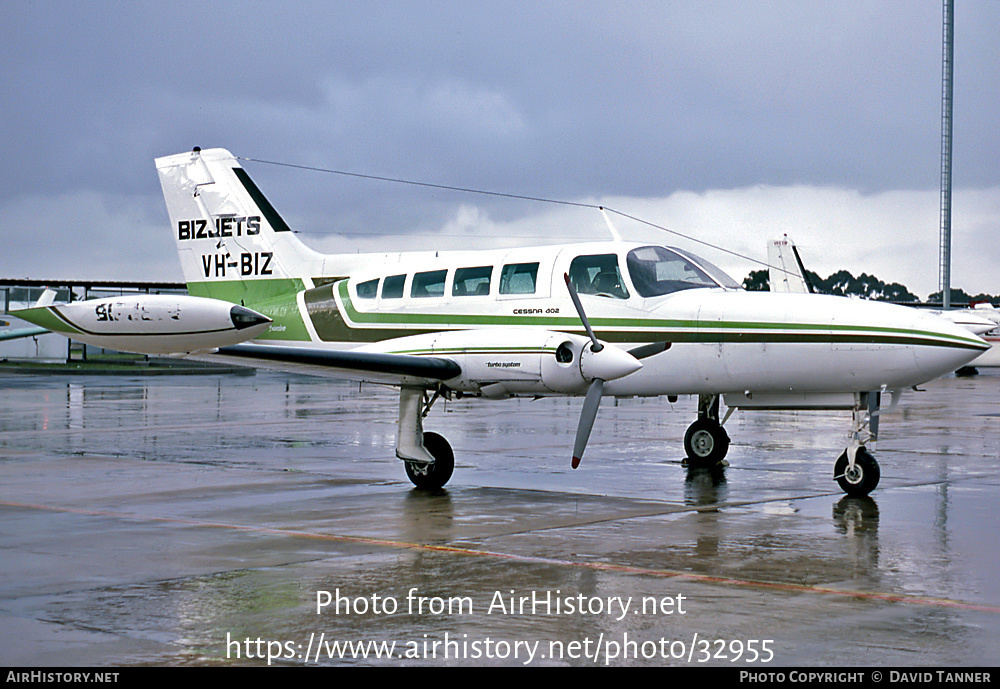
{"x":222,"y":519}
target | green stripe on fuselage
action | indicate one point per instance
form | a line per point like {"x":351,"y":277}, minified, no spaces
{"x":646,"y":329}
{"x":326,"y":318}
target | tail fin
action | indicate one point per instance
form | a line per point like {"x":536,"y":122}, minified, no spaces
{"x":233,"y":245}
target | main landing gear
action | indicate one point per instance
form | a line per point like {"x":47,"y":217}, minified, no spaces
{"x":428,"y":458}
{"x":434,"y":475}
{"x":706,"y":441}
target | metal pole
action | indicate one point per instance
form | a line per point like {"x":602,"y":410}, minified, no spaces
{"x":947,"y":72}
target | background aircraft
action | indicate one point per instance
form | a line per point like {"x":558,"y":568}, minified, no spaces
{"x":591,"y":320}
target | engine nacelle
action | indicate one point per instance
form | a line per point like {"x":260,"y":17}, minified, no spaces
{"x":504,"y":362}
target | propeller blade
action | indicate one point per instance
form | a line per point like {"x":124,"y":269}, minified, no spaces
{"x":613,"y":363}
{"x":587,"y":416}
{"x":648,"y":350}
{"x":596,"y":346}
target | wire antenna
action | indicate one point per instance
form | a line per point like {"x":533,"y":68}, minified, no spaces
{"x":522,"y":197}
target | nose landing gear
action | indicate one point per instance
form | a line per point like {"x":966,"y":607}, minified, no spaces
{"x":856,"y":470}
{"x":706,"y":441}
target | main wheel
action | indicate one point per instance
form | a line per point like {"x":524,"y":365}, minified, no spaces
{"x":862,"y":479}
{"x":706,"y":442}
{"x":432,"y":476}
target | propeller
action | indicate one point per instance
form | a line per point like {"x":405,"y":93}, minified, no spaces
{"x":600,"y":364}
{"x":590,"y":404}
{"x":596,"y":345}
{"x":648,"y":350}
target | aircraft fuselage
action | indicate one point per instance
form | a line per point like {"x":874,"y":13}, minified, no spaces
{"x":477,"y":309}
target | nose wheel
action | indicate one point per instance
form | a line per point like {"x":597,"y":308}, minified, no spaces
{"x":706,"y":441}
{"x":860,"y":479}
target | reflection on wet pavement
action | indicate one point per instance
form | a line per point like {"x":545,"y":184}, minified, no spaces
{"x":176,"y":520}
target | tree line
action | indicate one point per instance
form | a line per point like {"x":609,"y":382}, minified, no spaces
{"x":867,"y":286}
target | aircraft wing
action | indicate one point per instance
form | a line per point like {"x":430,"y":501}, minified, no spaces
{"x":375,"y":367}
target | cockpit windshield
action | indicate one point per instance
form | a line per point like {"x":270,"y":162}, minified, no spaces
{"x":656,"y":270}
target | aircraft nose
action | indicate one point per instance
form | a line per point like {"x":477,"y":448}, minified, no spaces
{"x":955,"y":346}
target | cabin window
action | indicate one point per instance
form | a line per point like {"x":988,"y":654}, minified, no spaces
{"x":598,"y":275}
{"x":368,"y":289}
{"x":656,"y":270}
{"x":429,"y":284}
{"x":392,"y":287}
{"x":518,"y":278}
{"x":472,"y":282}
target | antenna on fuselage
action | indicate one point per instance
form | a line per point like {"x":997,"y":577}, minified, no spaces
{"x":576,"y":204}
{"x":614,"y":231}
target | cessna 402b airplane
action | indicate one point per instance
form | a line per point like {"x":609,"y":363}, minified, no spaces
{"x":596,"y":319}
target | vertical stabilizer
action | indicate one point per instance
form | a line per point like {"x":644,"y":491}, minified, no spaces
{"x":233,"y":244}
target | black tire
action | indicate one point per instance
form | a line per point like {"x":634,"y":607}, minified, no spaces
{"x":863,"y":479}
{"x":433,"y":476}
{"x":706,"y":443}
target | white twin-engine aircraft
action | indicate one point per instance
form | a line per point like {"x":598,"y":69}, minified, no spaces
{"x":595,"y":319}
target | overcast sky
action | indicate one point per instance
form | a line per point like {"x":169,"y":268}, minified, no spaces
{"x":731,"y":122}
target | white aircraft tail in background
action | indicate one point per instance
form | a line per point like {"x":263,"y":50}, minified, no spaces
{"x":785,"y":270}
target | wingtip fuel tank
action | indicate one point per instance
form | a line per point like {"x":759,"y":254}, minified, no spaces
{"x":151,"y":323}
